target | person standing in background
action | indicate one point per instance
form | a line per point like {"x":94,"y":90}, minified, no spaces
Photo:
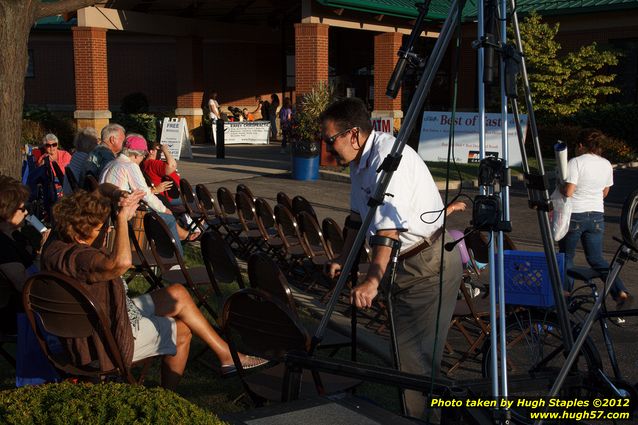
{"x":588,"y":182}
{"x":285,"y":120}
{"x":272,"y":115}
{"x":214,"y":115}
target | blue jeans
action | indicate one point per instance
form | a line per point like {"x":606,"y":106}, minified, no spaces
{"x":170,"y":221}
{"x":588,"y":228}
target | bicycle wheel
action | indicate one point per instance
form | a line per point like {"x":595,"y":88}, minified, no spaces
{"x":535,"y":355}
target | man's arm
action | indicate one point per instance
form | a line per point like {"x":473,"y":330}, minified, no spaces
{"x":363,"y":294}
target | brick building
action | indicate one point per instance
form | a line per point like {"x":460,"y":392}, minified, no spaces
{"x":175,"y":52}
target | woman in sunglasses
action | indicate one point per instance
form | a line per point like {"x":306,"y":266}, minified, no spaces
{"x":51,"y":151}
{"x":16,"y":253}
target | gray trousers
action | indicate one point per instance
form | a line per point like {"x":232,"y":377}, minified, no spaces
{"x":416,"y":302}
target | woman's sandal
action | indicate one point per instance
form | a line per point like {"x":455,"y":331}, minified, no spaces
{"x":248,"y":362}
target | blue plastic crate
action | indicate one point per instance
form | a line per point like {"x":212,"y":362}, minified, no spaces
{"x":527,"y":280}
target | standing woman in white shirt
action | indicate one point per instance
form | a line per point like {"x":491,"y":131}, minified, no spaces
{"x":214,"y":114}
{"x":588,"y":183}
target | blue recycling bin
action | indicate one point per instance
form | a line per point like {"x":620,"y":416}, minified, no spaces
{"x":305,"y":168}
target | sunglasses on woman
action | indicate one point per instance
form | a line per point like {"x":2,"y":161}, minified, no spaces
{"x":50,"y":145}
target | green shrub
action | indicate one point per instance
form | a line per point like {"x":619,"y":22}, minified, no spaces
{"x":144,"y":124}
{"x":63,"y":127}
{"x":551,"y":134}
{"x":32,"y":132}
{"x":615,"y":120}
{"x":134,"y":103}
{"x":615,"y":150}
{"x":68,"y":403}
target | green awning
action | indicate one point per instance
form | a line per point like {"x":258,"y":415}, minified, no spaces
{"x":439,"y":8}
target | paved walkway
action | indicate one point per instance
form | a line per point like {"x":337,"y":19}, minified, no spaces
{"x":266,"y":171}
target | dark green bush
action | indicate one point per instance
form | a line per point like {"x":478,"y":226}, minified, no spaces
{"x":134,"y":103}
{"x":144,"y":124}
{"x":63,"y":127}
{"x":615,"y":120}
{"x":549,"y":135}
{"x":617,"y":151}
{"x":68,"y":403}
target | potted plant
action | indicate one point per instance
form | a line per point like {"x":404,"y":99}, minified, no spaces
{"x":306,"y":132}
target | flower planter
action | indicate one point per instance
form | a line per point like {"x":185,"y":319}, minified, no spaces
{"x":305,"y":168}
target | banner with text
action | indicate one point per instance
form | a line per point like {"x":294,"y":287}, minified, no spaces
{"x":435,"y":132}
{"x":250,"y":132}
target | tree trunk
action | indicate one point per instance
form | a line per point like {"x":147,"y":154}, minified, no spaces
{"x":16,"y":18}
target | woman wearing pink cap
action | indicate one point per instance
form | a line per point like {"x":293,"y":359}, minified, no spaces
{"x":126,"y":174}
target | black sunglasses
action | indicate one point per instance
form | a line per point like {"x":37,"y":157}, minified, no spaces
{"x":332,"y":139}
{"x":22,"y":208}
{"x":50,"y":145}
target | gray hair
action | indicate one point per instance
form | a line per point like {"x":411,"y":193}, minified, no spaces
{"x":50,"y":137}
{"x":131,"y":152}
{"x":86,"y":139}
{"x":111,"y":130}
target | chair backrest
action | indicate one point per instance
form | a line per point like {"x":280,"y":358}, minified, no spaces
{"x":313,"y":235}
{"x":264,"y":213}
{"x":284,"y":200}
{"x":245,"y":210}
{"x":161,"y":240}
{"x":90,"y":183}
{"x":286,"y":222}
{"x":333,"y":235}
{"x":265,"y":274}
{"x":206,"y":200}
{"x":219,"y":260}
{"x":299,"y":204}
{"x":226,"y":201}
{"x":70,"y":177}
{"x":60,"y":306}
{"x":188,"y":197}
{"x":243,"y":188}
{"x":265,"y":325}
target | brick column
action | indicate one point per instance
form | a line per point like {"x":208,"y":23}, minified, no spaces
{"x":386,"y":46}
{"x":190,"y":86}
{"x":311,"y":56}
{"x":311,"y":65}
{"x":91,"y":77}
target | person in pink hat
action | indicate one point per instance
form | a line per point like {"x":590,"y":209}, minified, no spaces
{"x":125,"y":173}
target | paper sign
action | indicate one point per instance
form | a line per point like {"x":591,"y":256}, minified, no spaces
{"x":383,"y":124}
{"x":249,"y":132}
{"x":175,"y":136}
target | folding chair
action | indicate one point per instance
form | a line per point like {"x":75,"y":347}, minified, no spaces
{"x":192,"y":208}
{"x":267,"y":225}
{"x":299,"y":204}
{"x":7,"y":328}
{"x":265,"y":274}
{"x":289,"y":233}
{"x":220,"y":261}
{"x":208,"y":207}
{"x":243,"y":188}
{"x":247,"y":217}
{"x":230,"y":219}
{"x":267,"y":328}
{"x":164,"y":248}
{"x":284,"y":200}
{"x":66,"y":310}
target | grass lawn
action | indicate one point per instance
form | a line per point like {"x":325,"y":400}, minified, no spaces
{"x":202,"y":386}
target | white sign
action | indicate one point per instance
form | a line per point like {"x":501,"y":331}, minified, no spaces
{"x":435,"y":132}
{"x":383,"y":125}
{"x":175,"y":137}
{"x":251,"y":132}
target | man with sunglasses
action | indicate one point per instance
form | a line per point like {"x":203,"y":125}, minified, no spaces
{"x":412,"y":213}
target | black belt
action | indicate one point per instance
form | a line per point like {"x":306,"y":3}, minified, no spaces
{"x":420,"y":246}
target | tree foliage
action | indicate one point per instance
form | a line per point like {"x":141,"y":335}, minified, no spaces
{"x":564,"y":84}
